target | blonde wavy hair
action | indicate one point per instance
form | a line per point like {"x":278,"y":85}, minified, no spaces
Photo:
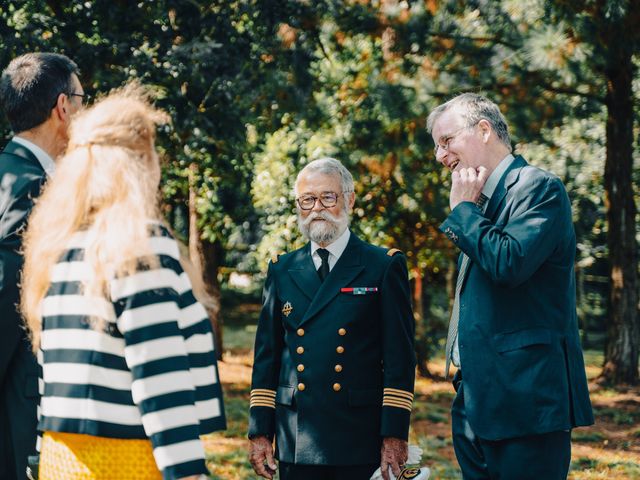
{"x":106,"y":185}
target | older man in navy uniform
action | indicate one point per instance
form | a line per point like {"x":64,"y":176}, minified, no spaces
{"x":334,"y":361}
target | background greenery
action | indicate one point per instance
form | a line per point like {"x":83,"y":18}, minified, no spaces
{"x":257,"y":88}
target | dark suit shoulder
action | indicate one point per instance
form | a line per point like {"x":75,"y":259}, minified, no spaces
{"x":382,"y":254}
{"x":19,"y":175}
{"x":536,"y":182}
{"x":538,"y":175}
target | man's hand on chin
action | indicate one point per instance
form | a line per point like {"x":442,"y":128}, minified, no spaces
{"x":261,"y":457}
{"x":466,"y":185}
{"x":394,"y":454}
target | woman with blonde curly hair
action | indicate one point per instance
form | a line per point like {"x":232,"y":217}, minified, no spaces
{"x":128,"y":366}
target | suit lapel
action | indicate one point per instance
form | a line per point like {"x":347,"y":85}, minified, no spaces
{"x":345,"y":270}
{"x":304,"y":273}
{"x":508,"y":179}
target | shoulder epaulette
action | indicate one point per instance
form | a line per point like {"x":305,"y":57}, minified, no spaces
{"x":393,"y":251}
{"x":275,"y":257}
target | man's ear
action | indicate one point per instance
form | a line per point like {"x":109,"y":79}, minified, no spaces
{"x":61,"y":108}
{"x":351,"y":200}
{"x":485,"y":129}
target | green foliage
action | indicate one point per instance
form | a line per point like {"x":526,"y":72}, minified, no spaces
{"x":258,"y":88}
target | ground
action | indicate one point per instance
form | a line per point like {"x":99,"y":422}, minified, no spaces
{"x":608,"y":450}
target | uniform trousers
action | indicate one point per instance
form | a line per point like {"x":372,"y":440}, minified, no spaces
{"x":291,"y":471}
{"x":546,"y":456}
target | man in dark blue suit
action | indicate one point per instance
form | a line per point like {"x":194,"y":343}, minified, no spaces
{"x":334,"y":364}
{"x":521,"y":384}
{"x":39,"y":92}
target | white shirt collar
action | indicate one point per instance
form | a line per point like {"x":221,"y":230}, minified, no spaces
{"x":43,"y":157}
{"x":335,"y":249}
{"x":496,"y":175}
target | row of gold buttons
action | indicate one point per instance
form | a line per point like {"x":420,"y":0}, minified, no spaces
{"x":338,"y":368}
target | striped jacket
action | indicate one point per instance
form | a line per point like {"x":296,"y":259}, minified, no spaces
{"x":151,"y":373}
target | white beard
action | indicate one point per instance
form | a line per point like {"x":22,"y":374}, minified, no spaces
{"x":323,"y":232}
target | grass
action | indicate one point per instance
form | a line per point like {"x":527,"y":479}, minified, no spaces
{"x":608,"y":450}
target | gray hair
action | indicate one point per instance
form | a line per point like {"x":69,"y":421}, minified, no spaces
{"x":473,"y":108}
{"x":328,"y":166}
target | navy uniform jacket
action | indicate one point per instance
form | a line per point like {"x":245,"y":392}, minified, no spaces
{"x":21,"y":177}
{"x":520,"y":354}
{"x":333,"y":370}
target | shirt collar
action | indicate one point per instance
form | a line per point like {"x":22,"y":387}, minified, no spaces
{"x":43,"y":157}
{"x":496,"y":175}
{"x":337,"y":247}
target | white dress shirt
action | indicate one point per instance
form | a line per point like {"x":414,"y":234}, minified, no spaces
{"x":43,"y":157}
{"x":335,"y":250}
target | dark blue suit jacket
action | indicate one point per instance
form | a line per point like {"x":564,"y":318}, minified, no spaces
{"x":520,"y":353}
{"x":339,"y":366}
{"x":21,"y":177}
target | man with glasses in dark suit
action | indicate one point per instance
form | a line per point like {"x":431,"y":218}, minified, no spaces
{"x":39,"y":92}
{"x":521,"y":384}
{"x":334,"y":364}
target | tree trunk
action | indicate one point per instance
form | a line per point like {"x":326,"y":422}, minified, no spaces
{"x":205,"y":257}
{"x":623,"y":333}
{"x":422,"y":332}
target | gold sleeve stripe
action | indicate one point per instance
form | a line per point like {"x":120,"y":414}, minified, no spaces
{"x":398,"y":393}
{"x":393,"y":403}
{"x":262,"y":391}
{"x":397,"y":399}
{"x":262,"y":404}
{"x":393,"y":251}
{"x":263,"y":399}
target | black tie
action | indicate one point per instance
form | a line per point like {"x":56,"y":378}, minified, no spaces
{"x":323,"y":271}
{"x":482,"y":199}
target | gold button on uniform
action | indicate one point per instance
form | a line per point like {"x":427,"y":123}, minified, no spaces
{"x":340,"y":349}
{"x":342,"y":332}
{"x":338,"y":368}
{"x":301,"y":387}
{"x":300,"y":350}
{"x":300,"y":332}
{"x":300,"y":368}
{"x":337,"y":387}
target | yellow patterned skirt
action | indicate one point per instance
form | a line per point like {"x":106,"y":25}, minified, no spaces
{"x":72,"y":456}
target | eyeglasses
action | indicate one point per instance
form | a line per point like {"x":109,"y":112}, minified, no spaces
{"x":327,"y":200}
{"x":443,"y":142}
{"x":83,"y":96}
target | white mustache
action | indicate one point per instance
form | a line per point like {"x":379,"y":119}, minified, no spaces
{"x":322,"y":214}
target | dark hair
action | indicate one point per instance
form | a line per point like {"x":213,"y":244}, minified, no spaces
{"x":30,"y":85}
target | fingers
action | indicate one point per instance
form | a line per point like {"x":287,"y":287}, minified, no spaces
{"x":466,"y":185}
{"x":483,"y":175}
{"x":472,"y":175}
{"x":270,"y":461}
{"x":384,"y":469}
{"x":395,"y":468}
{"x":259,"y":468}
{"x":261,"y":452}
